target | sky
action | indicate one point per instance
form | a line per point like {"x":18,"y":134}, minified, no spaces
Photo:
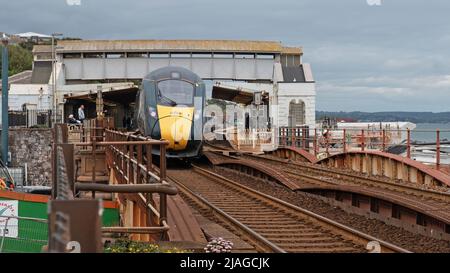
{"x":366,"y":55}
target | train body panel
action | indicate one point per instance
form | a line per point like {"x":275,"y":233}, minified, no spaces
{"x":170,"y":106}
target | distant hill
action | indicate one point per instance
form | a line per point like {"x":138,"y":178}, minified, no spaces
{"x":415,"y":117}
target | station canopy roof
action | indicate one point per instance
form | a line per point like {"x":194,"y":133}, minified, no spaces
{"x":110,"y":97}
{"x":176,"y":45}
{"x":232,"y":93}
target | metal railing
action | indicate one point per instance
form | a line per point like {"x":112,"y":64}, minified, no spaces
{"x":325,"y":142}
{"x":30,"y":118}
{"x":130,"y":159}
{"x":22,"y":234}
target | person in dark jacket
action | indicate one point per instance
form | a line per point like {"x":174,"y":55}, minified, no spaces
{"x":72,"y":120}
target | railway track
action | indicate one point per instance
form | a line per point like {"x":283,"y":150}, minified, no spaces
{"x":320,"y":175}
{"x":267,"y":223}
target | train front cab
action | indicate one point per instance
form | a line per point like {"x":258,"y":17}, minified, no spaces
{"x":174,"y":98}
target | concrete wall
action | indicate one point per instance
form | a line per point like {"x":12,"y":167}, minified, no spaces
{"x":34,"y":147}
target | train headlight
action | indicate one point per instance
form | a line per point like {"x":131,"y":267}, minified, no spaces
{"x":153,"y":112}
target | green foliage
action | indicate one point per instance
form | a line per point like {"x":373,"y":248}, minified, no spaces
{"x":128,"y":246}
{"x":20,"y":59}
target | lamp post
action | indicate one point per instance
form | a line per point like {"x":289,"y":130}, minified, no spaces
{"x":55,"y":93}
{"x":5,"y":124}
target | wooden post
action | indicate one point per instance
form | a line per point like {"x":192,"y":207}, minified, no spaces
{"x":94,"y":147}
{"x":362,"y":140}
{"x":293,"y":137}
{"x":344,"y":144}
{"x":438,"y":149}
{"x":384,"y":140}
{"x":408,"y":143}
{"x":315,"y":141}
{"x":162,"y":162}
{"x":140,"y":163}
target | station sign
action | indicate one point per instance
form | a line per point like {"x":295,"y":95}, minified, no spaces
{"x":9,"y":227}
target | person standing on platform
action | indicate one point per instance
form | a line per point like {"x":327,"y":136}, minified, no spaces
{"x":81,"y":115}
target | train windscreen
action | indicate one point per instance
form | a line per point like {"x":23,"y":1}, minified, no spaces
{"x":175,"y":92}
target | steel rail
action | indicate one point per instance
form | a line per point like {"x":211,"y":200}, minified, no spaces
{"x":346,"y":231}
{"x":260,"y":242}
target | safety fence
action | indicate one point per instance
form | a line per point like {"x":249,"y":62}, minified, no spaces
{"x":325,"y":142}
{"x":30,"y":118}
{"x":138,"y":183}
{"x":22,"y":234}
{"x":250,"y":139}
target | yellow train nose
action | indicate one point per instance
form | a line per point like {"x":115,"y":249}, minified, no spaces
{"x":175,"y":125}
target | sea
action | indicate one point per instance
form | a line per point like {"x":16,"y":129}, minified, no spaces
{"x":426,"y":132}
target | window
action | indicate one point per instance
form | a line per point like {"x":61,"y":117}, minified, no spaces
{"x":175,"y":92}
{"x":137,"y":55}
{"x":202,"y":55}
{"x":159,"y":55}
{"x":180,"y":55}
{"x":71,"y":56}
{"x":223,"y":55}
{"x":265,"y":56}
{"x":115,"y":55}
{"x":93,"y":55}
{"x":244,"y":56}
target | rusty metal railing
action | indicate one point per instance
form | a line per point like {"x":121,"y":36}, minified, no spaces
{"x":325,"y":142}
{"x":129,"y":158}
{"x":130,"y":164}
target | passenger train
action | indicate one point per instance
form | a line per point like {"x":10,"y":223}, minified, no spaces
{"x":169,"y":105}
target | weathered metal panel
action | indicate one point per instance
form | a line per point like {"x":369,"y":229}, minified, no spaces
{"x":202,"y":67}
{"x":93,"y":69}
{"x":158,"y":63}
{"x":264,"y":69}
{"x":73,"y":69}
{"x":392,"y":166}
{"x":137,"y":68}
{"x":223,"y":69}
{"x":115,"y":68}
{"x":185,"y":63}
{"x":245,"y":68}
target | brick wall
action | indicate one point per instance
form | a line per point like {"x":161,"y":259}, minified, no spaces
{"x":34,"y":147}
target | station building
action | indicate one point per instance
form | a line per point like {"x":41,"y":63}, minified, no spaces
{"x":234,"y":69}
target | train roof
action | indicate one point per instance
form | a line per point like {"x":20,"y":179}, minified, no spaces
{"x":168,"y":72}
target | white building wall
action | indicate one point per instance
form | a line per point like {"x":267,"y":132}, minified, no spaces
{"x":20,"y":94}
{"x":288,"y":92}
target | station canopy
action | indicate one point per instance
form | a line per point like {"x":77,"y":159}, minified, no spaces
{"x":110,"y":97}
{"x":236,"y":94}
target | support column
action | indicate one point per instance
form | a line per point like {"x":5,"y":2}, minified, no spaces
{"x":5,"y":123}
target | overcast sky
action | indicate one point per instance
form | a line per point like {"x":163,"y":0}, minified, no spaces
{"x":391,"y":57}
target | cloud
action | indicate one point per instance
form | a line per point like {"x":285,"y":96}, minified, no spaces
{"x":379,"y":57}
